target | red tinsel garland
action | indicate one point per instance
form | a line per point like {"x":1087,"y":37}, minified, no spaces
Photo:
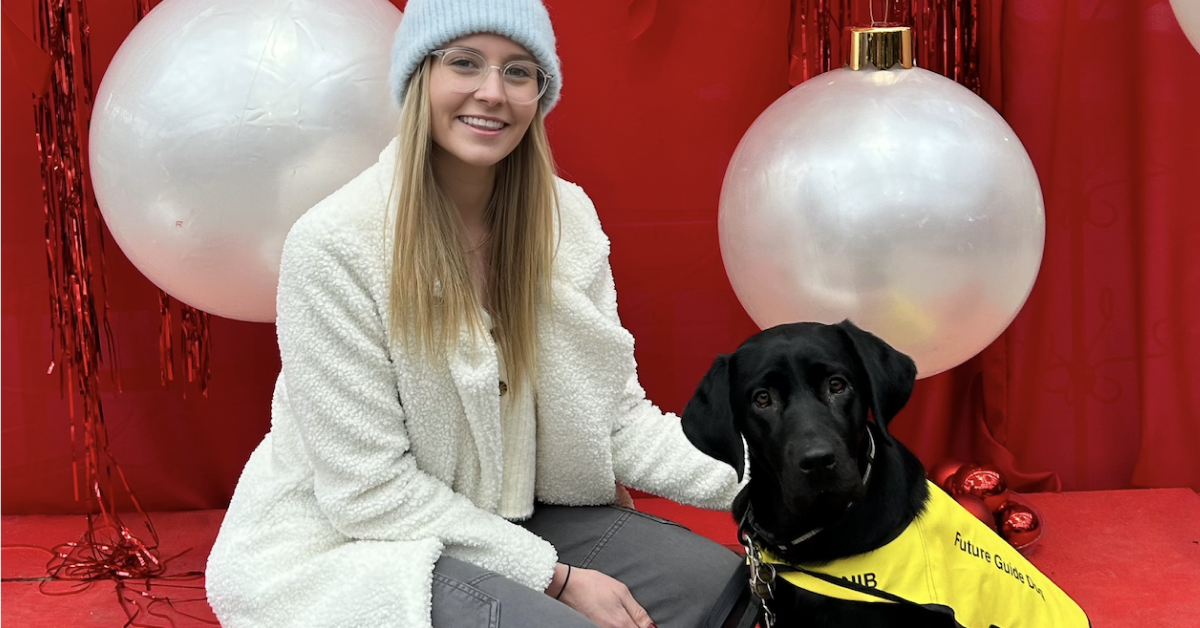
{"x":141,"y":8}
{"x":69,"y":231}
{"x":193,"y":331}
{"x":945,"y":34}
{"x":109,"y":549}
{"x":193,"y":335}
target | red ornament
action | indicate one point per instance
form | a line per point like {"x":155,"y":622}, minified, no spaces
{"x":941,"y":473}
{"x":1018,"y":524}
{"x":982,"y":481}
{"x":975,"y":506}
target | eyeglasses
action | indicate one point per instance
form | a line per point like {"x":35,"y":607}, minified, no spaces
{"x":524,"y":81}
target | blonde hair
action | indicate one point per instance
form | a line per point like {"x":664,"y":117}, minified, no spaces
{"x":432,"y":295}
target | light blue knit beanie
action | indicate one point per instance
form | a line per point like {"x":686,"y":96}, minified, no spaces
{"x":430,"y":24}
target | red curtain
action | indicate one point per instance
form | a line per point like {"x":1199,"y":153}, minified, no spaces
{"x":1095,"y":385}
{"x":1097,"y":382}
{"x":1104,"y":362}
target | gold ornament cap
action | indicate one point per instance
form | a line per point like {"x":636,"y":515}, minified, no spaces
{"x":880,"y":47}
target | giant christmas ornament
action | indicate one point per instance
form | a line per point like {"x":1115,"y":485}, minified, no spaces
{"x":888,"y":195}
{"x":1188,"y":14}
{"x":220,"y":122}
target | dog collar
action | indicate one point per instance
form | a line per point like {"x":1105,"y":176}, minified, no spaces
{"x":749,"y":521}
{"x":870,"y":458}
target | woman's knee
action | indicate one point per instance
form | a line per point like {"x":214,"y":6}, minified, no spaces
{"x":466,"y":596}
{"x":681,"y":578}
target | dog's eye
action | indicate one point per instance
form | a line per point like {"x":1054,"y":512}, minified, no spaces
{"x":762,"y":398}
{"x":837,"y":385}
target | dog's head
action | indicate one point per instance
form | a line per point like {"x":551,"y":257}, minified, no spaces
{"x":801,"y":394}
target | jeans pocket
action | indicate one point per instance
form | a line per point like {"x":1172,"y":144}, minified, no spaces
{"x":651,"y":517}
{"x":459,"y":605}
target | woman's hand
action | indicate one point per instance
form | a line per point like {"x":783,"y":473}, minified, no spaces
{"x":624,"y":499}
{"x":600,"y":598}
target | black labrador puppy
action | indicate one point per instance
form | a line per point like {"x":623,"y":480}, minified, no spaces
{"x":802,"y":396}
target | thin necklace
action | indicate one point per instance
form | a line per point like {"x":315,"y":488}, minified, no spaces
{"x":481,"y":243}
{"x":488,"y":214}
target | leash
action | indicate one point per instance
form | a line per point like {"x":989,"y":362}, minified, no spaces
{"x":763,"y":573}
{"x":762,"y":579}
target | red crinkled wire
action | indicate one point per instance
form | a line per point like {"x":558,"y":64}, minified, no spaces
{"x":109,"y":549}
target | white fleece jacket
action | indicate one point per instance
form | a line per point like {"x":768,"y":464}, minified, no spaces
{"x":376,"y":465}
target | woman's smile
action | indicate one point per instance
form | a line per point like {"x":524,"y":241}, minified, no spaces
{"x":484,"y":125}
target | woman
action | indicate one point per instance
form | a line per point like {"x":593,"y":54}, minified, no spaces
{"x":451,"y":355}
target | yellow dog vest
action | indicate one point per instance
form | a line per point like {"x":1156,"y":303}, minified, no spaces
{"x":950,"y":558}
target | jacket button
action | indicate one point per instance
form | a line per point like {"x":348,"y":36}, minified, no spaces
{"x":503,"y":388}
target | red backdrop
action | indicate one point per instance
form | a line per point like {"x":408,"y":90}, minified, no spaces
{"x":1097,"y":382}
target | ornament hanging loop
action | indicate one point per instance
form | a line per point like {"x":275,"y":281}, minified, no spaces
{"x":880,"y":47}
{"x":887,"y":12}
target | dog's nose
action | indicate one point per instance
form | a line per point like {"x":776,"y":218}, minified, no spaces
{"x":817,"y":460}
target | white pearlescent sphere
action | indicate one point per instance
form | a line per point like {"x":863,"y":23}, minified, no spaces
{"x":1188,"y":14}
{"x":220,"y":122}
{"x":896,"y":198}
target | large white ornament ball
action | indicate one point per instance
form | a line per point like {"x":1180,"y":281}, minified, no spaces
{"x":897,"y":199}
{"x":220,"y":122}
{"x":1188,"y":14}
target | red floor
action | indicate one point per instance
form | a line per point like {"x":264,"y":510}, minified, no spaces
{"x":1130,"y":558}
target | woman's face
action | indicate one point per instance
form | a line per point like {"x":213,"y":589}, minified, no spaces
{"x":482,"y":127}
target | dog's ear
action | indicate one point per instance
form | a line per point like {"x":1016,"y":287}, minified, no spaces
{"x":891,"y":373}
{"x":708,"y":418}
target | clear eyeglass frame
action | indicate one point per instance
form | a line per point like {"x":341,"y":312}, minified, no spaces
{"x":541,"y":75}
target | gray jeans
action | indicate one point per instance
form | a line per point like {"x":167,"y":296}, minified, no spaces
{"x":683,"y":580}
